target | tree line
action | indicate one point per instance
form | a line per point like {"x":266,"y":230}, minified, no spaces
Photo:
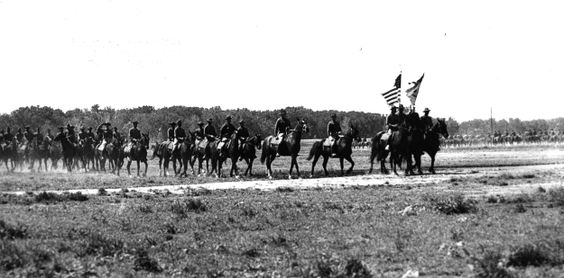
{"x":155,"y":121}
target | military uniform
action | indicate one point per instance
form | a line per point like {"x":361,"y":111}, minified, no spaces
{"x":170,"y":131}
{"x":179,"y":134}
{"x":426,"y":120}
{"x":226,"y":132}
{"x":333,"y":131}
{"x":209,"y":131}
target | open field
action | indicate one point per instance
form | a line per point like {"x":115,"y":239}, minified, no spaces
{"x":496,"y":211}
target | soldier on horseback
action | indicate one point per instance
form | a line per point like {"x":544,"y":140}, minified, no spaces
{"x":333,"y":132}
{"x":71,"y":134}
{"x":242,"y":134}
{"x":28,"y":135}
{"x":179,"y":134}
{"x":19,"y":136}
{"x":117,"y":135}
{"x":170,"y":132}
{"x":8,"y":136}
{"x":199,"y":133}
{"x":209,"y":131}
{"x":281,"y":127}
{"x":226,"y":132}
{"x":90,"y":134}
{"x":426,"y":120}
{"x":82,"y":135}
{"x":134,"y":136}
{"x":38,"y":136}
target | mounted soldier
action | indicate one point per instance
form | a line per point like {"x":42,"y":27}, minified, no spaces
{"x":82,"y":135}
{"x":226,"y":132}
{"x":90,"y":134}
{"x":412,"y":120}
{"x":134,"y":137}
{"x":199,"y":133}
{"x":8,"y":136}
{"x":281,"y":128}
{"x":170,"y":132}
{"x":426,"y":120}
{"x":117,"y":136}
{"x":19,"y":136}
{"x":71,"y":135}
{"x":28,"y":135}
{"x":179,"y":135}
{"x":38,"y":136}
{"x":209,"y":131}
{"x":333,"y":132}
{"x":242,"y":134}
{"x":104,"y":134}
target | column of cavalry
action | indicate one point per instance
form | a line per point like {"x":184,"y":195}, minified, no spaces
{"x":204,"y":150}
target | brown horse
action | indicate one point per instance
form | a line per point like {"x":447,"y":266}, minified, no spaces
{"x":205,"y":153}
{"x":431,"y":143}
{"x":248,"y":152}
{"x":343,"y":151}
{"x":378,"y":150}
{"x":290,"y":146}
{"x":137,"y":152}
{"x":39,"y":151}
{"x":69,"y":150}
{"x":183,"y":154}
{"x":9,"y":153}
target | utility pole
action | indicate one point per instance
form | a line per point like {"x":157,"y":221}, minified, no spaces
{"x":491,"y":124}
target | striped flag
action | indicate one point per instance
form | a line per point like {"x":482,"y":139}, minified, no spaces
{"x":414,"y":91}
{"x":393,"y":96}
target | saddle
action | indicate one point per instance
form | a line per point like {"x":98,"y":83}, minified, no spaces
{"x":102,"y":145}
{"x":202,"y":144}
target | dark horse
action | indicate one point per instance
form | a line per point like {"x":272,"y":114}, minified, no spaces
{"x":248,"y":152}
{"x":290,"y":146}
{"x":398,"y":149}
{"x":69,"y":150}
{"x":164,"y":153}
{"x":206,"y":153}
{"x":137,"y":152}
{"x":343,"y":150}
{"x":86,"y":153}
{"x":235,"y":152}
{"x":40,"y":152}
{"x":9,"y":152}
{"x":183,"y":154}
{"x":431,"y":143}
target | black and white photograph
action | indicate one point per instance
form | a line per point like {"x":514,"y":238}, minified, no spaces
{"x":281,"y":138}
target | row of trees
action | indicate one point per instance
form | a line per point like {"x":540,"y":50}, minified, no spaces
{"x":155,"y":121}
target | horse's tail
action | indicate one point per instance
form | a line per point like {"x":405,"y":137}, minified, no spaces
{"x":155,"y":151}
{"x":375,"y":150}
{"x":315,"y":149}
{"x":264,"y":150}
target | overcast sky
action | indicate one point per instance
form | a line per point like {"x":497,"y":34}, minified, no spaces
{"x":270,"y":54}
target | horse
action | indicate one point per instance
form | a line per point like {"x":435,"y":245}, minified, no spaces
{"x":9,"y":152}
{"x":290,"y":146}
{"x":205,"y":153}
{"x":397,"y":148}
{"x":86,"y":153}
{"x":137,"y":152}
{"x":228,"y":150}
{"x":69,"y":150}
{"x":164,"y":154}
{"x":55,"y":153}
{"x":248,"y":152}
{"x":431,"y":143}
{"x":183,"y":154}
{"x":39,"y":151}
{"x":343,"y":151}
{"x":111,"y":153}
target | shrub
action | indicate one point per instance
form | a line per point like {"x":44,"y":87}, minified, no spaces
{"x":489,"y":265}
{"x":10,"y":232}
{"x":47,"y":197}
{"x":519,"y":208}
{"x":451,"y":204}
{"x":11,"y":257}
{"x":97,"y":243}
{"x":557,"y":196}
{"x":76,"y":196}
{"x":144,"y":262}
{"x":530,"y":255}
{"x":181,"y":207}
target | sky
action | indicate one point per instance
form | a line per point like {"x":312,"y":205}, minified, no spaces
{"x":477,"y":56}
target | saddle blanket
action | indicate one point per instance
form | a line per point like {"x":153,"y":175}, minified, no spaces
{"x":102,"y":146}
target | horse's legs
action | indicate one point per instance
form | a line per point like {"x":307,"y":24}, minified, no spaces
{"x":138,"y":166}
{"x":295,"y":162}
{"x":349,"y":159}
{"x":432,"y":168}
{"x":249,"y":166}
{"x":325,"y":160}
{"x":341,"y":161}
{"x":315,"y":159}
{"x":418,"y":164}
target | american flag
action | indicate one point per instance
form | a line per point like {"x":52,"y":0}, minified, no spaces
{"x":393,"y":96}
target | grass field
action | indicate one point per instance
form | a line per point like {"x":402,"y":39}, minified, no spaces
{"x":448,"y":225}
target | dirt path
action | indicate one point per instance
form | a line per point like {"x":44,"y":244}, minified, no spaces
{"x":440,"y":182}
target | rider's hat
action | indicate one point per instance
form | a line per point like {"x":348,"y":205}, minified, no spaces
{"x":426,"y":109}
{"x":108,"y":123}
{"x":135,"y":122}
{"x":228,"y":117}
{"x":82,"y":128}
{"x":61,"y":127}
{"x":179,"y":122}
{"x":333,"y":115}
{"x":172,"y":123}
{"x":401,"y":106}
{"x":282,"y":112}
{"x":393,"y":108}
{"x":210,"y":120}
{"x":242,"y":121}
{"x":26,"y":127}
{"x":89,"y":128}
{"x":200,"y":123}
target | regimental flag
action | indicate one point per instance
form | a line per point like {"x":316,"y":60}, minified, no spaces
{"x":393,"y":96}
{"x":414,"y":90}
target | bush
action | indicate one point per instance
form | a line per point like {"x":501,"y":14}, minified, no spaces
{"x":76,"y":196}
{"x":557,"y":196}
{"x":144,"y":262}
{"x":10,"y":232}
{"x":451,"y":204}
{"x":490,"y":265}
{"x":47,"y":197}
{"x":181,"y":207}
{"x":97,"y":243}
{"x":535,"y":254}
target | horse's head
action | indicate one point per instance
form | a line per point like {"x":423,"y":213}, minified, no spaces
{"x":302,"y":126}
{"x":354,"y":133}
{"x":145,"y":140}
{"x":256,"y":141}
{"x":443,"y":130}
